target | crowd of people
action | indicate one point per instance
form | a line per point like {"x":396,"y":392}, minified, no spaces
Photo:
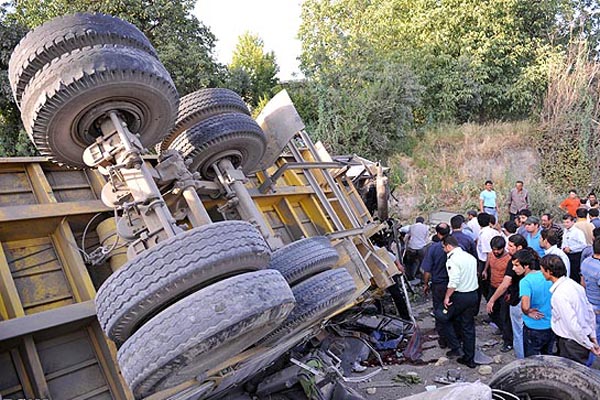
{"x":540,"y":280}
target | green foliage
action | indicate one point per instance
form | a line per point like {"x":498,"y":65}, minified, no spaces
{"x":305,"y":100}
{"x":569,"y":135}
{"x":184,"y":44}
{"x":478,"y":60}
{"x":13,"y":140}
{"x":168,"y":24}
{"x":252,"y":71}
{"x":367,"y":111}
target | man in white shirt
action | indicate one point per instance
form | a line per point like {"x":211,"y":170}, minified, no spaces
{"x":472,"y":224}
{"x":573,"y":244}
{"x":573,"y":318}
{"x":549,"y":242}
{"x":484,"y":248}
{"x":460,"y":302}
{"x":418,"y":235}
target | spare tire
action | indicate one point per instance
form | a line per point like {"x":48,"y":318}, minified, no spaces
{"x":316,"y":298}
{"x":549,"y":378}
{"x":304,"y":258}
{"x":203,"y":330}
{"x":63,"y":35}
{"x":233,"y":135}
{"x":172,"y":269}
{"x":62,"y":103}
{"x":200,"y":105}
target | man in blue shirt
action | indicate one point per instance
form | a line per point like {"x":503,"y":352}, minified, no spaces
{"x":534,"y":290}
{"x":487,"y":200}
{"x":590,"y":271}
{"x":533,"y":234}
{"x":434,"y":272}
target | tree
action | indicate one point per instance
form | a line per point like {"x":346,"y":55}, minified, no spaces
{"x":253,"y":73}
{"x":13,"y":140}
{"x":185,"y":46}
{"x":167,"y":24}
{"x":367,"y":111}
{"x":477,"y":59}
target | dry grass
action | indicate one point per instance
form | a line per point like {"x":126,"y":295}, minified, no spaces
{"x":451,"y":163}
{"x":569,"y":134}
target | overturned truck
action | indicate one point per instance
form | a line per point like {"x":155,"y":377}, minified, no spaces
{"x":222,"y":253}
{"x":202,"y":272}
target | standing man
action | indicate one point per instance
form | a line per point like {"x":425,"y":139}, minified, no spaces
{"x":584,"y":225}
{"x":472,"y":224}
{"x":484,"y":249}
{"x":592,"y":201}
{"x":573,"y":317}
{"x":573,"y":244}
{"x":435,"y":277}
{"x":460,"y":301}
{"x":508,"y":291}
{"x":464,"y":241}
{"x":415,"y":247}
{"x":500,"y":313}
{"x":590,"y":273}
{"x":571,"y":203}
{"x":523,"y":215}
{"x":518,"y":199}
{"x":487,"y":200}
{"x":534,"y":290}
{"x":549,"y":243}
{"x":594,"y":213}
{"x":547,"y":222}
{"x":533,"y":234}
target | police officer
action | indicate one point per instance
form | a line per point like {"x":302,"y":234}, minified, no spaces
{"x":460,"y":302}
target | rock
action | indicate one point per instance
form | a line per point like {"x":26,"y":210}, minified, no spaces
{"x":385,"y":367}
{"x":485,"y":370}
{"x":412,"y":373}
{"x":490,"y":343}
{"x":498,"y":359}
{"x":371,"y":390}
{"x":441,"y":361}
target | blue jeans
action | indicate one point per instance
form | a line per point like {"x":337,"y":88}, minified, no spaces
{"x":516,"y":319}
{"x":537,"y":341}
{"x":491,"y":211}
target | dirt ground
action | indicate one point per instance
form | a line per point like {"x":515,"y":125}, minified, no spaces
{"x":384,"y":385}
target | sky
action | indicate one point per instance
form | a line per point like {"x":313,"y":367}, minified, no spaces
{"x":276,"y":22}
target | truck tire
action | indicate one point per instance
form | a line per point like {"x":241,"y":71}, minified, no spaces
{"x":204,"y":329}
{"x":304,"y":258}
{"x":173,"y":269}
{"x":200,"y":105}
{"x":63,"y":35}
{"x":64,"y":100}
{"x":548,"y":377}
{"x":233,"y":135}
{"x":316,"y":298}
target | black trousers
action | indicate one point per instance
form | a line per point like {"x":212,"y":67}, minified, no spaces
{"x":462,"y":311}
{"x":438,"y":292}
{"x":501,"y":317}
{"x":575,"y":260}
{"x":572,"y":350}
{"x":412,"y":262}
{"x":484,"y":285}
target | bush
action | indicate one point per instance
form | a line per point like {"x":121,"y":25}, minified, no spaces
{"x":569,"y":136}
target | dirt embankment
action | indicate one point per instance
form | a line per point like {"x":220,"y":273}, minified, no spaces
{"x":450,"y":164}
